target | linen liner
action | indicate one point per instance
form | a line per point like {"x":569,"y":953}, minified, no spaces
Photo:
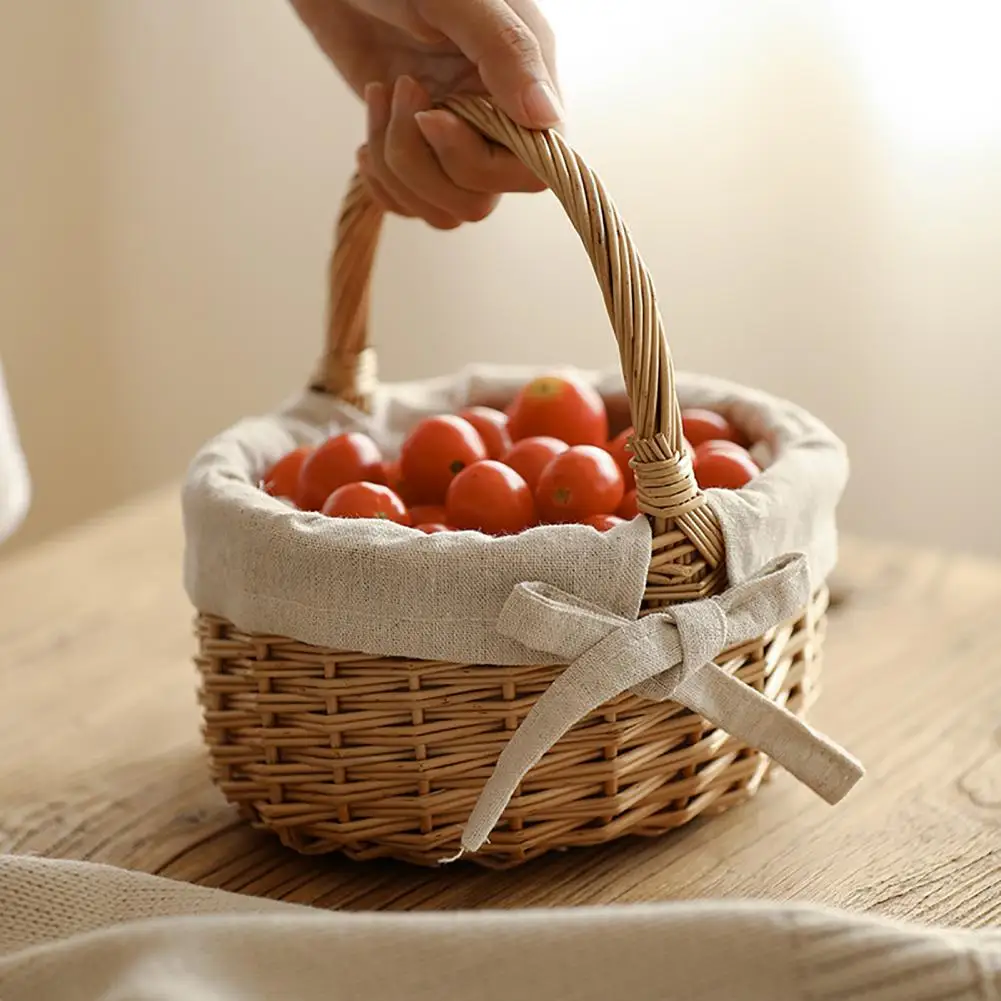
{"x":380,"y":588}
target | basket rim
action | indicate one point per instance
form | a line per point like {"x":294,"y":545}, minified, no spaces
{"x":233,"y":530}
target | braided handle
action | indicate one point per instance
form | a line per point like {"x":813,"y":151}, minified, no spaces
{"x":688,"y":555}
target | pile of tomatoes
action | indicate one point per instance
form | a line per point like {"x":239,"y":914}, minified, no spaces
{"x":547,"y":459}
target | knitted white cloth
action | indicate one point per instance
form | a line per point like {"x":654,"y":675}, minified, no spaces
{"x":73,"y":931}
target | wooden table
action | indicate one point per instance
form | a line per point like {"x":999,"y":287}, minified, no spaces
{"x":100,"y":755}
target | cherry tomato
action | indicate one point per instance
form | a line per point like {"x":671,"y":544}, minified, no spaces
{"x":703,"y":425}
{"x":282,"y":479}
{"x":559,"y":407}
{"x":618,"y":451}
{"x":628,"y":510}
{"x":433,"y":527}
{"x":393,"y":478}
{"x":421,"y":514}
{"x":530,"y":456}
{"x":366,"y":500}
{"x":492,"y":427}
{"x":438,"y":449}
{"x":391,"y":474}
{"x":619,"y":413}
{"x":584,"y":480}
{"x":492,"y":498}
{"x":718,"y":445}
{"x":603,"y":522}
{"x":346,"y":458}
{"x":724,"y":467}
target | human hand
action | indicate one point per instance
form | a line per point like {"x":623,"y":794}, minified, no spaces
{"x":403,"y":55}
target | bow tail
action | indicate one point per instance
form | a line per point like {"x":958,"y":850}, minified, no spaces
{"x":743,"y":712}
{"x":598,"y":676}
{"x":733,"y":706}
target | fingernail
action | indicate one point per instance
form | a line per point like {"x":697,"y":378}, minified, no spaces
{"x":432,"y":125}
{"x":408,"y":95}
{"x":378,"y":106}
{"x":542,"y":104}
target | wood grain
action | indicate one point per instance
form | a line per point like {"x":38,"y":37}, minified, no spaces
{"x":100,"y":756}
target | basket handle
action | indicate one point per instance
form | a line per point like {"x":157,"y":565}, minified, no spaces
{"x":688,"y":556}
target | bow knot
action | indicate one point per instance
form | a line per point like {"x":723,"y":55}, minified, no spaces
{"x":664,"y":655}
{"x":703,"y":631}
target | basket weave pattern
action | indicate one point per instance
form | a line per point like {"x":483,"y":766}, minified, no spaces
{"x":340,"y":751}
{"x":384,"y":757}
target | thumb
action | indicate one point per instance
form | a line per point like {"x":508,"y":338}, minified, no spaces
{"x":507,"y":53}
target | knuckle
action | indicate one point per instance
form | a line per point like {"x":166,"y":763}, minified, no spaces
{"x":546,"y":36}
{"x":479,"y":208}
{"x":516,"y":39}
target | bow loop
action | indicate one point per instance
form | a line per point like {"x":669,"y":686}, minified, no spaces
{"x":542,"y":617}
{"x":775,"y":593}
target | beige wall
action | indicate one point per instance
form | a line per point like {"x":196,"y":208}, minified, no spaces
{"x":170,"y":171}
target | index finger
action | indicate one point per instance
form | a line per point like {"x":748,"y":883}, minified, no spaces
{"x":507,"y":53}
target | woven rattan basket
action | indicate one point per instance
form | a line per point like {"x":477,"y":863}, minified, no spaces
{"x":377,"y":756}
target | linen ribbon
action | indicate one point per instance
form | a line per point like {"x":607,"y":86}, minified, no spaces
{"x":664,"y":655}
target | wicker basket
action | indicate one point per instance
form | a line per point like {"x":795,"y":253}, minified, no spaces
{"x":385,"y":756}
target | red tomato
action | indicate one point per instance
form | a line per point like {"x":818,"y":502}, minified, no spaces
{"x":530,"y":456}
{"x":559,"y":407}
{"x":603,"y":522}
{"x":366,"y":500}
{"x":628,"y":510}
{"x":703,"y":425}
{"x":391,"y":474}
{"x":618,"y":451}
{"x":282,"y":479}
{"x":584,"y":480}
{"x":492,"y":498}
{"x":393,"y":479}
{"x":492,"y":427}
{"x":346,"y":458}
{"x":433,"y":527}
{"x":718,"y":445}
{"x":422,"y":514}
{"x":438,"y":449}
{"x":724,"y":467}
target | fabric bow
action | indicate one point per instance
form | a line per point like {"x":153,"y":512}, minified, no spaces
{"x":665,"y":655}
